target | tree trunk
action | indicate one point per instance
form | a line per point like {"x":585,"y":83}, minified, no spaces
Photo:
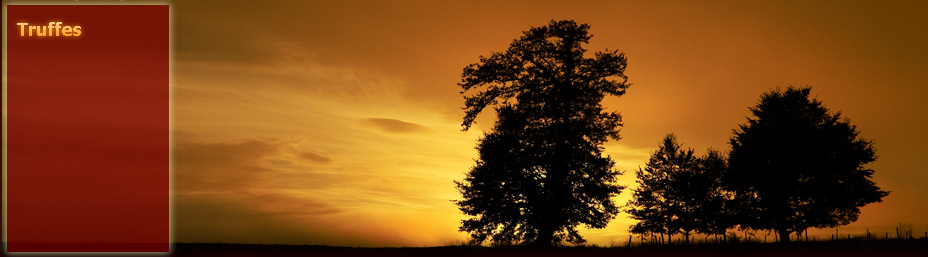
{"x":555,"y":185}
{"x":543,"y":241}
{"x":784,"y":235}
{"x":545,"y":237}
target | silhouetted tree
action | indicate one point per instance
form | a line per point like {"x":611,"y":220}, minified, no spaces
{"x":679,"y":192}
{"x":662,"y":197}
{"x":795,"y":165}
{"x":649,"y":205}
{"x":715,"y":208}
{"x":541,"y":171}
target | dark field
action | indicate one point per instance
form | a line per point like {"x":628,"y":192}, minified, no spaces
{"x":841,"y":248}
{"x":847,"y":248}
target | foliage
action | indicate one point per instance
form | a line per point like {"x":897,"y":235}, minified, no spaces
{"x":541,"y":171}
{"x":715,"y":206}
{"x":796,"y":165}
{"x":679,"y":192}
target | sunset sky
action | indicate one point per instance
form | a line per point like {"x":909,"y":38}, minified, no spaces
{"x":338,"y":122}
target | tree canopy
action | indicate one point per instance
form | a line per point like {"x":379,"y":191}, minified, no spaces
{"x":679,"y":192}
{"x":541,"y":171}
{"x":796,"y":165}
{"x":716,"y":212}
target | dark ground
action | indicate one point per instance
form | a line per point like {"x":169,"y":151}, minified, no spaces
{"x":841,"y":249}
{"x":847,"y":248}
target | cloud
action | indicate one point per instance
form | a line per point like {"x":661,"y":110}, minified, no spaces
{"x":275,"y":190}
{"x":395,"y":126}
{"x":314,"y":157}
{"x":231,"y":192}
{"x":255,"y":165}
{"x":219,"y":166}
{"x":205,"y":218}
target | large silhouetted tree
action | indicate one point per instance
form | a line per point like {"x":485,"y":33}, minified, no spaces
{"x":796,"y":165}
{"x":679,"y":192}
{"x":541,"y":171}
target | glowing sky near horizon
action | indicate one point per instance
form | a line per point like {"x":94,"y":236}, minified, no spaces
{"x":338,"y":122}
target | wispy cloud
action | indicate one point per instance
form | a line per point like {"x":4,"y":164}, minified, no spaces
{"x":314,"y":157}
{"x":395,"y":126}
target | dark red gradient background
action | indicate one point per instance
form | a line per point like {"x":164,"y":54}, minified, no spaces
{"x":88,"y":145}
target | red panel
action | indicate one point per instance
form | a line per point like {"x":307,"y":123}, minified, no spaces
{"x":88,"y":130}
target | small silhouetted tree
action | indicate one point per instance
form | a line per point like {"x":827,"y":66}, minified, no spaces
{"x":541,"y":171}
{"x":796,"y":165}
{"x":647,"y":206}
{"x":716,"y":205}
{"x":664,"y":196}
{"x":679,"y":192}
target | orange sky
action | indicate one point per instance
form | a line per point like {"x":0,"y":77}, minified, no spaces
{"x":338,"y":122}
